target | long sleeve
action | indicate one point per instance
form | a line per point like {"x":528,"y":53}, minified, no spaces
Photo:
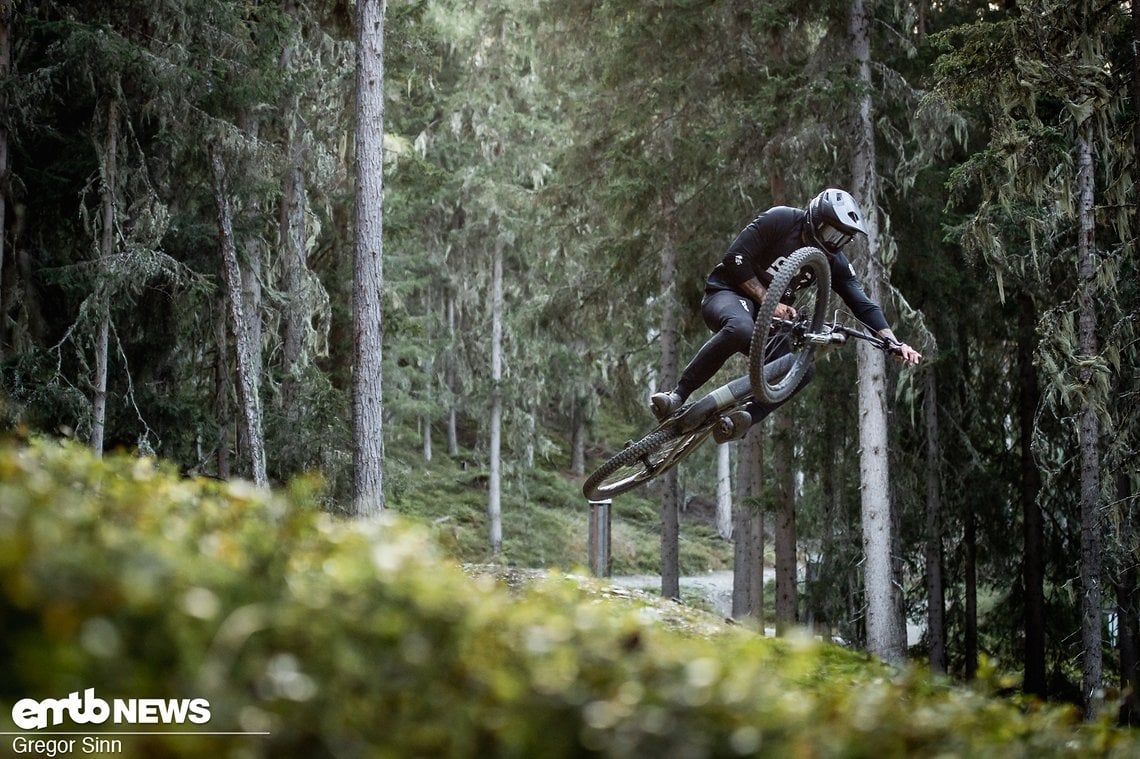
{"x":850,"y":289}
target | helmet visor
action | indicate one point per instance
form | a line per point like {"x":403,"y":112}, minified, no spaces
{"x":833,"y":238}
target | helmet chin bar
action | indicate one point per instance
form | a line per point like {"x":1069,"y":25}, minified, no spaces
{"x":831,"y":243}
{"x":833,"y":237}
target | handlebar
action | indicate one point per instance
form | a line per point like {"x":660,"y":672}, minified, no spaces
{"x":882,"y":343}
{"x":834,"y":333}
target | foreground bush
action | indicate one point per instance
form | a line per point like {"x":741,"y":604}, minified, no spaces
{"x":356,"y":640}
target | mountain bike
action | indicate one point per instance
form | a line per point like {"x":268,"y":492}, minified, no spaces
{"x":779,"y":361}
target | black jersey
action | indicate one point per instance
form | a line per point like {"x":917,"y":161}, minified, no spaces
{"x":766,"y":242}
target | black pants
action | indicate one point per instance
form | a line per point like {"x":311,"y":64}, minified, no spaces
{"x":731,"y":317}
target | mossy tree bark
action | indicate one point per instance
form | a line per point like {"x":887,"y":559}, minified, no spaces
{"x":368,"y":263}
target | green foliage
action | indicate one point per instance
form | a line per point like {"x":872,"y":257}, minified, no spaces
{"x":578,"y":127}
{"x":544,"y":515}
{"x":357,"y":639}
{"x":1037,"y":84}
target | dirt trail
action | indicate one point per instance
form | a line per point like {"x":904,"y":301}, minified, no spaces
{"x":714,"y":586}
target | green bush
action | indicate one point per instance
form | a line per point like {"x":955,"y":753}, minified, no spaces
{"x":354,"y":639}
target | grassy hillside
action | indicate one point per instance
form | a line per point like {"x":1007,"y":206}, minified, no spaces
{"x":313,"y":636}
{"x":544,"y":514}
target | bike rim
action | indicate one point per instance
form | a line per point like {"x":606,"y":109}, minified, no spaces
{"x":787,"y":338}
{"x":650,"y":465}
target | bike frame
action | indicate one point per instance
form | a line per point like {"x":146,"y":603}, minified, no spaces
{"x":738,"y":392}
{"x":711,"y":407}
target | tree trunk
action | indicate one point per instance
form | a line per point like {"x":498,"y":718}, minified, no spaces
{"x":724,"y":491}
{"x":425,"y":428}
{"x":832,"y":539}
{"x":578,"y":440}
{"x":222,"y":391}
{"x":494,"y":498}
{"x":784,"y":534}
{"x":1091,"y":527}
{"x":531,"y":432}
{"x":742,"y":531}
{"x":31,"y":325}
{"x":293,"y":260}
{"x":452,"y":382}
{"x":5,"y":63}
{"x":756,"y":539}
{"x":1128,"y":644}
{"x":935,"y":602}
{"x":106,"y":250}
{"x":292,"y":235}
{"x":748,"y":532}
{"x":99,"y":406}
{"x":428,"y":368}
{"x":1128,"y":607}
{"x":1033,"y":526}
{"x":967,"y":375}
{"x":970,"y":579}
{"x":670,"y":535}
{"x":885,"y":630}
{"x":1130,"y":611}
{"x":667,"y":275}
{"x":250,"y":267}
{"x":368,"y":263}
{"x":247,"y":386}
{"x":1136,"y":95}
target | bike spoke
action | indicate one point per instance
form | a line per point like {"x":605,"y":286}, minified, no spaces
{"x":651,"y":457}
{"x":786,"y":337}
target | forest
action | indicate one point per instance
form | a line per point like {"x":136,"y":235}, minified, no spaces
{"x":186,"y":228}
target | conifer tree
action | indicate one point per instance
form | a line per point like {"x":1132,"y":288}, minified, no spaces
{"x":248,"y":390}
{"x":1050,"y":112}
{"x":109,"y":172}
{"x":5,"y":65}
{"x":368,"y":262}
{"x":886,"y":634}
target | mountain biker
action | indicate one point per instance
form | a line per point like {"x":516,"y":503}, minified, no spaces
{"x":736,"y":287}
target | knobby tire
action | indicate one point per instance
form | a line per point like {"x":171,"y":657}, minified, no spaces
{"x":769,"y":340}
{"x":645,"y":460}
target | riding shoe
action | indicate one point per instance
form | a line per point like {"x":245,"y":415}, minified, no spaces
{"x":664,"y":405}
{"x":732,"y":427}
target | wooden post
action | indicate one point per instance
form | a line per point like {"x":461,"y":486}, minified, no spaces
{"x":601,"y":561}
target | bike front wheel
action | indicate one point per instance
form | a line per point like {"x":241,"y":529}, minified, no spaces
{"x":807,"y":274}
{"x":640,"y":462}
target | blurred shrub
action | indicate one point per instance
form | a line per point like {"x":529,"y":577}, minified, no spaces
{"x":353,"y":639}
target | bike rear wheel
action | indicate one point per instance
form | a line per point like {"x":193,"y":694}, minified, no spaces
{"x":806,"y":273}
{"x":640,"y":462}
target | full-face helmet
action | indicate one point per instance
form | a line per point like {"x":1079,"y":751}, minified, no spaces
{"x":834,"y":219}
